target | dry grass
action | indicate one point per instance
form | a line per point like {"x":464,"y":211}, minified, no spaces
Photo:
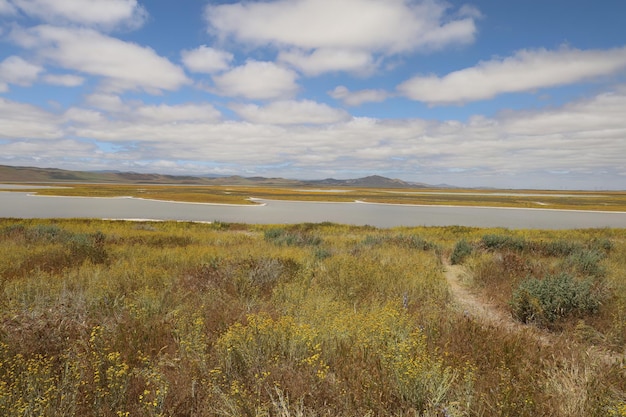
{"x":179,"y":319}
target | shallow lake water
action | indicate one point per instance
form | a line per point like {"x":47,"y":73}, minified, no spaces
{"x":25,"y":205}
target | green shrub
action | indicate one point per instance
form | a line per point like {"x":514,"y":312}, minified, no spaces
{"x":283,"y":237}
{"x":88,"y":246}
{"x":462,"y":249}
{"x":47,"y":233}
{"x":587,"y":262}
{"x":504,"y":242}
{"x":559,"y":248}
{"x":409,"y":241}
{"x":544,"y":301}
{"x":602,"y":244}
{"x":322,"y":253}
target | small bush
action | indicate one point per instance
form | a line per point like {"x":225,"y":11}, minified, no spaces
{"x":504,"y":242}
{"x":83,"y":247}
{"x":462,"y":249}
{"x":402,"y":240}
{"x":544,"y":301}
{"x":322,"y":253}
{"x":602,"y":244}
{"x":587,"y":263}
{"x":46,"y":233}
{"x":283,"y":237}
{"x":559,"y":248}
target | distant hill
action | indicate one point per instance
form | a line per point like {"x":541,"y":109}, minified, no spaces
{"x":374,"y":181}
{"x":33,"y":174}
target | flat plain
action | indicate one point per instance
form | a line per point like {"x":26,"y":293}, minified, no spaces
{"x":237,"y":194}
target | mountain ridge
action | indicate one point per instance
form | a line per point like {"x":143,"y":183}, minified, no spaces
{"x":35,"y":174}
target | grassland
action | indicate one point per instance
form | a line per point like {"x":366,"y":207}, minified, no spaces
{"x":179,"y":319}
{"x":572,"y":200}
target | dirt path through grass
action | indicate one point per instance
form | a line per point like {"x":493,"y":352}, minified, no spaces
{"x":475,"y":307}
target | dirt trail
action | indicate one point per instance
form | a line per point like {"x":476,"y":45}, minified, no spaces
{"x":476,"y":308}
{"x":482,"y":310}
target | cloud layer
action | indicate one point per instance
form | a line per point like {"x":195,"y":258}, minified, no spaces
{"x":122,"y":65}
{"x":326,"y":35}
{"x":305,"y":139}
{"x":308,"y":89}
{"x":102,"y":14}
{"x":526,"y":70}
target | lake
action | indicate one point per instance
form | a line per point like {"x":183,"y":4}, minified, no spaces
{"x":24,"y":205}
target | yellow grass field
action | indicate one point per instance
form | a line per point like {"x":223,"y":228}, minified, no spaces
{"x":574,"y":200}
{"x":112,"y":318}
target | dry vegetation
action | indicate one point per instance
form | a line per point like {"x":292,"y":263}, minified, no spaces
{"x":179,"y":319}
{"x":237,"y":194}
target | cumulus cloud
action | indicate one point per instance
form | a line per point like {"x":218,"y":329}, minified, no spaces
{"x":257,"y":80}
{"x":123,"y":65}
{"x":139,"y":112}
{"x":65,"y":80}
{"x":164,"y":113}
{"x":34,"y":152}
{"x":380,"y":25}
{"x":356,"y":98}
{"x":109,"y":102}
{"x":291,"y":113}
{"x":335,"y":35}
{"x":24,"y":121}
{"x":526,"y":70}
{"x":327,"y":60}
{"x":206,"y":59}
{"x":85,"y":116}
{"x":516,"y":148}
{"x":15,"y":70}
{"x":101,"y":14}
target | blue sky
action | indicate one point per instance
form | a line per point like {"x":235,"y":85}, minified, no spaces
{"x":510,"y":94}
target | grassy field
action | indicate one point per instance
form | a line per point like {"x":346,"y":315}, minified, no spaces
{"x":574,"y":200}
{"x":118,"y":319}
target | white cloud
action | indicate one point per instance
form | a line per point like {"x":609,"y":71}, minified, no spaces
{"x":65,"y":80}
{"x":527,"y":70}
{"x":379,"y":25}
{"x":7,"y":8}
{"x":84,"y":116}
{"x":109,"y":102}
{"x":516,"y":148}
{"x":206,"y":59}
{"x":257,"y":81}
{"x":33,"y":152}
{"x":139,"y":112}
{"x":291,"y":113}
{"x":23,"y":121}
{"x":326,"y":60}
{"x":356,"y":98}
{"x":123,"y":65}
{"x":15,"y":70}
{"x":184,"y":112}
{"x":601,"y":116}
{"x":102,"y":14}
{"x":331,"y":35}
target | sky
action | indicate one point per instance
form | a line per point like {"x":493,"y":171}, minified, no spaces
{"x":484,"y":93}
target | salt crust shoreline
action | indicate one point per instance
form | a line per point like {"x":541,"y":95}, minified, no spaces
{"x":263,"y":203}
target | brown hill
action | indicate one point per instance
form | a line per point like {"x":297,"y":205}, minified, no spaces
{"x":42,"y":175}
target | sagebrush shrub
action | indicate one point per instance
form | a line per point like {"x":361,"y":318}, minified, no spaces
{"x":587,"y":262}
{"x":559,"y":247}
{"x":504,"y":242}
{"x":461,"y":250}
{"x":283,"y":237}
{"x":544,"y":301}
